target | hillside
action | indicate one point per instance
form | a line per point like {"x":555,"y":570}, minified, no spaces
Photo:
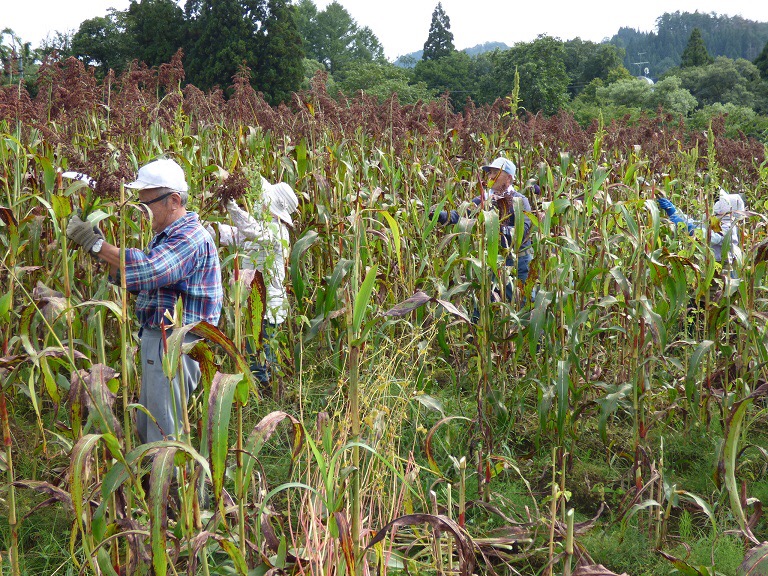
{"x":409,"y":60}
{"x":730,"y":36}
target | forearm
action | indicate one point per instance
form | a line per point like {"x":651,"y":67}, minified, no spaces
{"x":110,"y":254}
{"x":246,"y":226}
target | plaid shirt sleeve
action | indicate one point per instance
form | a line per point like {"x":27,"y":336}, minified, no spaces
{"x":165,"y":264}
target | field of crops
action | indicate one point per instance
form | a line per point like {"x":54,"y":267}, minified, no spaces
{"x":611,"y":418}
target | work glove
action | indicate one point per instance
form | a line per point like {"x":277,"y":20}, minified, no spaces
{"x":676,"y":216}
{"x":82,"y":232}
{"x":667,"y":206}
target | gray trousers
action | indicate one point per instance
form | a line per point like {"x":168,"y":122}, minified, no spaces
{"x":161,"y":397}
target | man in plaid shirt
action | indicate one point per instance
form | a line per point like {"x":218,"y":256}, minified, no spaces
{"x":181,"y":261}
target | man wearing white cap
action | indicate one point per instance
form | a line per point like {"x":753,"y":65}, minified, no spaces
{"x":266,"y":244}
{"x":501,"y":194}
{"x":181,"y":261}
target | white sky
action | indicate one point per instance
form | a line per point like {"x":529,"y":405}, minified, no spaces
{"x":402,"y":25}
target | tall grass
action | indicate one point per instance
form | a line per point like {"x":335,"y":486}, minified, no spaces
{"x":358,"y":466}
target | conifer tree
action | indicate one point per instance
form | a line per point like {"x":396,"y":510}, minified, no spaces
{"x":695,"y":53}
{"x":223,"y":37}
{"x":281,"y":56}
{"x":440,"y":39}
{"x":762,"y":62}
{"x":155,"y":30}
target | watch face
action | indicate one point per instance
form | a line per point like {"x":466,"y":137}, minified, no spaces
{"x":97,"y":246}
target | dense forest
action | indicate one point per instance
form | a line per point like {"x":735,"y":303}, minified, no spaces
{"x":661,"y":50}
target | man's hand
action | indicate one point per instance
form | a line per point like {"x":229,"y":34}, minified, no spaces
{"x":82,"y":232}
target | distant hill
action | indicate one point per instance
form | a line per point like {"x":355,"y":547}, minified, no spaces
{"x":487,"y":47}
{"x":409,"y":60}
{"x":730,"y":36}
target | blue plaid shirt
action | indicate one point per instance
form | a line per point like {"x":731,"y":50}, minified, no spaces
{"x":181,"y":261}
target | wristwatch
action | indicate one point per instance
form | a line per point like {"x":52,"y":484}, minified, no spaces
{"x":97,"y":246}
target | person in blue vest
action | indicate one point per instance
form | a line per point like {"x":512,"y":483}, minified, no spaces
{"x":500,"y":193}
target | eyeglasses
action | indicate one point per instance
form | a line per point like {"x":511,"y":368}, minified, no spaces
{"x":161,"y":197}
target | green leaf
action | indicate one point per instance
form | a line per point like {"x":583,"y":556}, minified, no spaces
{"x":755,"y":562}
{"x":703,"y":505}
{"x":362,"y":299}
{"x":393,"y":226}
{"x":491,"y":220}
{"x":78,"y":470}
{"x":262,"y":432}
{"x":694,"y":367}
{"x":562,"y":387}
{"x":687,"y":569}
{"x":538,"y":319}
{"x":297,"y":252}
{"x":49,"y":173}
{"x":220,"y":410}
{"x":163,"y":470}
{"x":301,"y":158}
{"x":429,"y":402}
{"x":5,"y":305}
{"x":61,"y":206}
{"x":730,"y":451}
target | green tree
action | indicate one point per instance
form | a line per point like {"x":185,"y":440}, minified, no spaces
{"x":13,"y":53}
{"x":695,"y":53}
{"x":723,"y":81}
{"x":452,"y":74}
{"x":440,"y":39}
{"x":671,"y":96}
{"x":739,"y":121}
{"x":585,"y":61}
{"x":543,"y":77}
{"x":382,"y":79}
{"x":332,"y":36}
{"x":101,"y":42}
{"x":223,"y":37}
{"x":155,"y":30}
{"x":630,"y":93}
{"x":306,"y":22}
{"x":280,"y":67}
{"x":56,"y":43}
{"x":762,"y":62}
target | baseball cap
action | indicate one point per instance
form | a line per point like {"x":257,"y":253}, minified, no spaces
{"x":502,"y":163}
{"x":163,"y":173}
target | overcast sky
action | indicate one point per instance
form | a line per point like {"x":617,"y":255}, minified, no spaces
{"x":402,"y":25}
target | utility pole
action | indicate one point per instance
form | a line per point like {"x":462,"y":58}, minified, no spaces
{"x":640,"y":64}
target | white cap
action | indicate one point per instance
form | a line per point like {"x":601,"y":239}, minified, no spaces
{"x":163,"y":173}
{"x":280,"y":199}
{"x":729,"y":203}
{"x":502,"y":163}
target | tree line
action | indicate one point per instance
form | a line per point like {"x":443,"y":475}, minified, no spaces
{"x":284,"y":45}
